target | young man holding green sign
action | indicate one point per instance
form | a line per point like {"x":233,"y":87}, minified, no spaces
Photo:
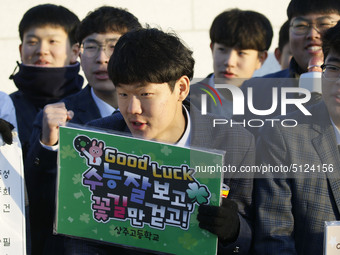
{"x":152,"y":71}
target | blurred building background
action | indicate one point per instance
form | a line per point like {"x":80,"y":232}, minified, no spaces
{"x":190,"y":19}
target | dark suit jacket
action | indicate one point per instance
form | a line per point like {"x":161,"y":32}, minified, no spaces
{"x":290,"y":212}
{"x":41,"y":170}
{"x":238,"y":145}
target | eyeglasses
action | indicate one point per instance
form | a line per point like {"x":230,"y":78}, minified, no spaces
{"x":330,"y":72}
{"x":91,"y":49}
{"x":302,"y":26}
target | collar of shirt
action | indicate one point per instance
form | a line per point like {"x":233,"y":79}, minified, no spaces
{"x":337,"y":132}
{"x":185,"y":139}
{"x":104,"y":108}
{"x":211,"y":80}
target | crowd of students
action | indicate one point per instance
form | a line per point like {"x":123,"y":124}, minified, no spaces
{"x":139,"y":82}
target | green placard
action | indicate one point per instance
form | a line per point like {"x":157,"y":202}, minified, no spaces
{"x":133,"y":192}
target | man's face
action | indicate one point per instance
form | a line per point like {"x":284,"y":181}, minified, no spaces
{"x":305,"y":46}
{"x":233,"y":65}
{"x":152,"y":111}
{"x":96,"y":50}
{"x":331,"y":86}
{"x":47,"y":47}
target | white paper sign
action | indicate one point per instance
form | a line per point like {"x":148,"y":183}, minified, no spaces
{"x":311,"y":81}
{"x":12,"y":200}
{"x":332,"y":238}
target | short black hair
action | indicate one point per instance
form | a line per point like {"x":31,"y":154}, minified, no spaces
{"x":304,"y":7}
{"x":284,"y":35}
{"x":107,"y":19}
{"x":242,"y":29}
{"x":331,"y":40}
{"x":50,"y":15}
{"x":150,"y":55}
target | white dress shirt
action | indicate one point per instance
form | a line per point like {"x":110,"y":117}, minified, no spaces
{"x":185,"y":139}
{"x":337,"y":133}
{"x":104,"y":108}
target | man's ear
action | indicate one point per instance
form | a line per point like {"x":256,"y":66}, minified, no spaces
{"x":20,"y":48}
{"x":262,"y":57}
{"x":211,"y":46}
{"x":183,"y":86}
{"x":278,"y":54}
{"x":75,"y":49}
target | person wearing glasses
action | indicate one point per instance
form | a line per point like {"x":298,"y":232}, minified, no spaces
{"x":97,"y":35}
{"x":308,"y":21}
{"x":291,"y":210}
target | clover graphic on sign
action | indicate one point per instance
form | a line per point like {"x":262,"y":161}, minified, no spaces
{"x":198,"y":193}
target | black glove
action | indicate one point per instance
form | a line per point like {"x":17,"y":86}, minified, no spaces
{"x":6,"y":131}
{"x":221,"y":220}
